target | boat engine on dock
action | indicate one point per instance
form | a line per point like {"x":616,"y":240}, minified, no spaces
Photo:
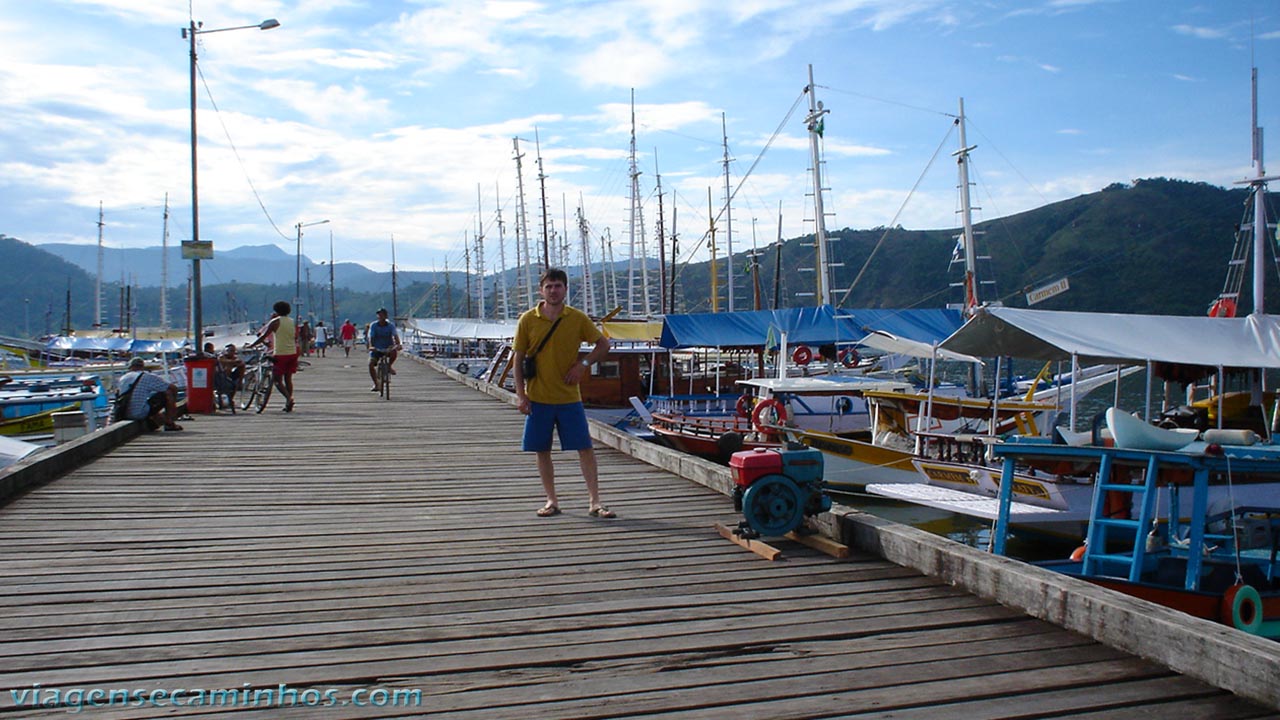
{"x":776,"y":489}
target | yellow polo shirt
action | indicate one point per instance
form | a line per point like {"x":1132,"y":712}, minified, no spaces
{"x":559,"y":354}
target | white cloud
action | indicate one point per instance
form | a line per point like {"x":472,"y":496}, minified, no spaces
{"x":1203,"y":33}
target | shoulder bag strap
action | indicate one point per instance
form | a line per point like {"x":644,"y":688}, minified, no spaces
{"x":547,"y":337}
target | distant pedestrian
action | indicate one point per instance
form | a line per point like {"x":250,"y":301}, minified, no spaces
{"x":550,"y":335}
{"x":283,"y":333}
{"x":304,"y":338}
{"x":348,"y":334}
{"x":322,"y":337}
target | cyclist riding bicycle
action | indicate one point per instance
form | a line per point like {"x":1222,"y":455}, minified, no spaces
{"x":383,"y":340}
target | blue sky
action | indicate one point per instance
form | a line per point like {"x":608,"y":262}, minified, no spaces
{"x":393,"y":118}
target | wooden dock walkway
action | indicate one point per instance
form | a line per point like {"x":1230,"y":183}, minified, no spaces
{"x":363,"y":558}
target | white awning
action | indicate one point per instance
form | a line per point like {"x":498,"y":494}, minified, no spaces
{"x":1252,"y":342}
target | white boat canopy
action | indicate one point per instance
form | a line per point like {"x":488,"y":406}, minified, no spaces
{"x":462,"y":329}
{"x":1248,"y":342}
{"x":890,"y":343}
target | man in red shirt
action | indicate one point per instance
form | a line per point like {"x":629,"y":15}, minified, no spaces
{"x":348,"y":335}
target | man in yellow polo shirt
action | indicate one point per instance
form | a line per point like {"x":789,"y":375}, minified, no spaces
{"x":551,"y":398}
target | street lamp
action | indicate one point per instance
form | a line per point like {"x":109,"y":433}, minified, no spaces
{"x":297,"y":282}
{"x":197,"y":306}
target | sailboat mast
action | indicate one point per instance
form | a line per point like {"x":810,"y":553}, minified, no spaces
{"x":504,"y":299}
{"x":542,"y":184}
{"x":675,"y":253}
{"x":715,"y":271}
{"x":584,"y":237}
{"x":164,"y":268}
{"x":662,"y":242}
{"x":728,"y":211}
{"x":524,"y":263}
{"x":1259,"y":183}
{"x":395,"y":310}
{"x":631,"y":216}
{"x":480,"y":250}
{"x":815,"y":124}
{"x":466,"y":262}
{"x":97,"y":287}
{"x":971,"y":299}
{"x":777,"y":262}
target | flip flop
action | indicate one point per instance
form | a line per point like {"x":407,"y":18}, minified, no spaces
{"x":548,"y":511}
{"x":601,"y":512}
{"x":173,"y":428}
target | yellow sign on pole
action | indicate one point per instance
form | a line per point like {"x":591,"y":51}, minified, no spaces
{"x":197,"y":249}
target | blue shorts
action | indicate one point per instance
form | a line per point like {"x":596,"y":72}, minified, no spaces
{"x":570,"y":419}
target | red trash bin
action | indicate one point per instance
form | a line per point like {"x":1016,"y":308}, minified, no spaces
{"x":200,"y":384}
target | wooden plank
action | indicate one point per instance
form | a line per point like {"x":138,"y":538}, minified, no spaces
{"x":821,"y":544}
{"x":764,"y":550}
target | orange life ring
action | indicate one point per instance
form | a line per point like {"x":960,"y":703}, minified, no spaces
{"x":743,"y":407}
{"x":758,"y":419}
{"x":849,"y":357}
{"x":1242,"y":608}
{"x":802,"y":355}
{"x":1223,"y":307}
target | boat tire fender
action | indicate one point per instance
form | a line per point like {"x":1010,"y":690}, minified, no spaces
{"x":1242,"y":608}
{"x":849,"y":357}
{"x":802,"y":355}
{"x":758,"y":416}
{"x":462,"y":368}
{"x":844,"y":405}
{"x":743,"y":406}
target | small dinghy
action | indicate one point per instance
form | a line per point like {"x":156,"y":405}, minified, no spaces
{"x":1135,"y":433}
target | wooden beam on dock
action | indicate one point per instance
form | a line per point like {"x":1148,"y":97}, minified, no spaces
{"x":764,"y":550}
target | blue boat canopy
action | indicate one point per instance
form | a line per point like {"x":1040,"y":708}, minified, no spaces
{"x":819,"y":325}
{"x":114,"y":344}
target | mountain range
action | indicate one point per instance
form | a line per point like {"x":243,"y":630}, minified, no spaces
{"x":1151,"y":246}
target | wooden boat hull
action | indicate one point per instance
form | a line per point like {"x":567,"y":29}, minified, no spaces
{"x":854,"y":464}
{"x":1214,"y":606}
{"x":33,"y":424}
{"x":711,"y":437}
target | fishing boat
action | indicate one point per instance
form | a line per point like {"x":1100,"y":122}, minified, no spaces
{"x":28,"y":402}
{"x":35,"y":423}
{"x":1177,"y":549}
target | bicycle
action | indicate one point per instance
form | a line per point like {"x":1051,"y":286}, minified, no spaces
{"x":257,"y":380}
{"x":384,"y":375}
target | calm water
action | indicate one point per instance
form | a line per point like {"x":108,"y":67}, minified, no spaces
{"x":960,"y":528}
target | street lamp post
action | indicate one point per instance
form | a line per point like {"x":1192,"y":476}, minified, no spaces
{"x":297,"y":281}
{"x":197,"y":305}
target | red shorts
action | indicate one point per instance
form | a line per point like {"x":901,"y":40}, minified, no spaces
{"x":284,"y":365}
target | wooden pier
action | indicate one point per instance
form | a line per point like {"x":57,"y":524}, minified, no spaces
{"x":369,"y":558}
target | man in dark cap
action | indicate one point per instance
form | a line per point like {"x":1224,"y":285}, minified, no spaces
{"x":383,"y":340}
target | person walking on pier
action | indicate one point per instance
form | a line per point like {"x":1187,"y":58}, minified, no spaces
{"x":549,"y":335}
{"x":348,"y":334}
{"x":282,"y":332}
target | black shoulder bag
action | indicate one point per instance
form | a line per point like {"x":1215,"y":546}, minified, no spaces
{"x":530,"y":364}
{"x":121,"y":406}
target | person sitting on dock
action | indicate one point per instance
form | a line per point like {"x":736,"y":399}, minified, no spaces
{"x":152,"y":397}
{"x":551,"y":398}
{"x":383,"y":340}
